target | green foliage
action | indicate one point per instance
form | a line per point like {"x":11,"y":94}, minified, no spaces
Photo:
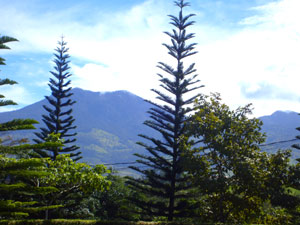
{"x":292,"y":203}
{"x":28,"y":186}
{"x":16,"y":188}
{"x":73,"y":180}
{"x":18,"y":124}
{"x":110,"y":204}
{"x":25,"y":148}
{"x":113,"y":203}
{"x":231,"y":172}
{"x":48,"y":222}
{"x":101,"y":145}
{"x":295,"y":182}
{"x":85,"y":222}
{"x":3,"y":41}
{"x":69,"y":175}
{"x":297,"y":146}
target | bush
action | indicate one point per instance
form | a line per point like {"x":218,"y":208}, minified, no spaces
{"x":84,"y":222}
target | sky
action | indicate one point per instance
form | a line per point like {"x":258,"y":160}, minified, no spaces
{"x":248,"y":51}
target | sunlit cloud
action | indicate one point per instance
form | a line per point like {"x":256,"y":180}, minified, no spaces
{"x":18,"y":94}
{"x":119,"y":50}
{"x":265,"y":50}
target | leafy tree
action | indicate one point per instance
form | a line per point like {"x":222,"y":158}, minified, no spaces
{"x":294,"y":189}
{"x":235,"y":177}
{"x":59,"y":120}
{"x":164,"y":179}
{"x":70,"y":178}
{"x":113,"y":203}
{"x":295,"y":179}
{"x":15,"y":190}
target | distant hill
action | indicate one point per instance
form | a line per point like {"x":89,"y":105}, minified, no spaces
{"x":108,"y":125}
{"x":281,"y":126}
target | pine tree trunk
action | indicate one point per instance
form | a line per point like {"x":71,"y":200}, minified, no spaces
{"x":171,"y":202}
{"x":47,"y":214}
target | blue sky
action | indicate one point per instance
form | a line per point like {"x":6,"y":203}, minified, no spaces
{"x":249,"y":51}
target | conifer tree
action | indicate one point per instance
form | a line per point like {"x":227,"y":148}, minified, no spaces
{"x":16,"y":190}
{"x":3,"y":41}
{"x":59,"y":120}
{"x":297,"y":146}
{"x":164,"y":180}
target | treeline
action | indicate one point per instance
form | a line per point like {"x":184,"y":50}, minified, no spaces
{"x":207,"y":166}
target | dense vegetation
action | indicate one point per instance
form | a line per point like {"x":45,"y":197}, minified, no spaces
{"x":206,"y":167}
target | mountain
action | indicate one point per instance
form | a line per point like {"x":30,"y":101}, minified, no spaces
{"x":281,"y":127}
{"x":108,"y":124}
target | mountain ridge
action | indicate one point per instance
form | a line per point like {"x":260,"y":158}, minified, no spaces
{"x":108,"y":125}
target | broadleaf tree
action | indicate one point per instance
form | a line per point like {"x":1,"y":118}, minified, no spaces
{"x":235,"y":178}
{"x":163,"y":179}
{"x":295,"y":171}
{"x":70,"y":177}
{"x":59,"y":119}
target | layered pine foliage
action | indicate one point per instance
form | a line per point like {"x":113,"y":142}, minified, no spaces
{"x":16,"y":175}
{"x":59,"y":119}
{"x":163,"y":179}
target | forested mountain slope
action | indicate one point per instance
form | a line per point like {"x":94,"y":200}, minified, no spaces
{"x":280,"y":128}
{"x":108,"y":125}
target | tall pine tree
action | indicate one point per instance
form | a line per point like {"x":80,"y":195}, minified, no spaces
{"x":59,"y":121}
{"x":16,"y":186}
{"x":164,"y":179}
{"x":297,"y":146}
{"x":3,"y":41}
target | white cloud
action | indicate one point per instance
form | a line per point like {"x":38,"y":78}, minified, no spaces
{"x":130,"y":55}
{"x":265,"y":50}
{"x":252,"y":88}
{"x":128,"y":43}
{"x":18,"y":94}
{"x":284,"y":13}
{"x":93,"y":77}
{"x":123,"y":48}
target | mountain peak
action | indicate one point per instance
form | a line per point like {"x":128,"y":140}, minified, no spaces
{"x":108,"y":123}
{"x":78,"y":91}
{"x":280,"y":112}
